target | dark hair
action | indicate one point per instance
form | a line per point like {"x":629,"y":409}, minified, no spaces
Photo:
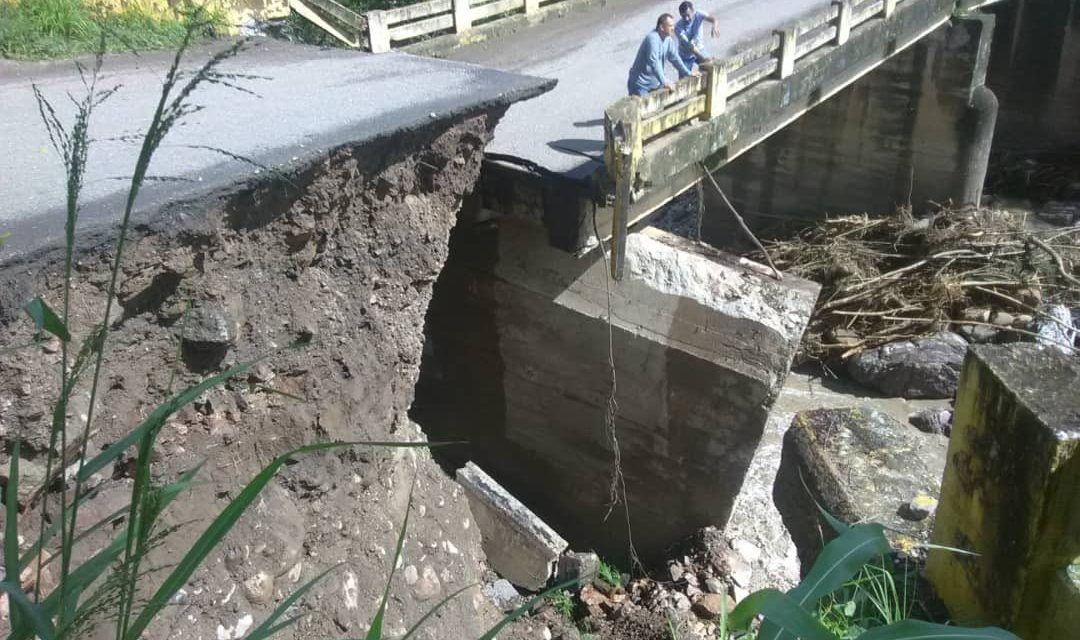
{"x":684,"y":6}
{"x":664,"y":16}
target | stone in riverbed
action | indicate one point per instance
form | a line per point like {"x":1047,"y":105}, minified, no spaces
{"x":923,"y":368}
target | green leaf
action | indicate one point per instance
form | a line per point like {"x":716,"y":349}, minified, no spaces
{"x":4,"y":235}
{"x":11,"y":529}
{"x":268,"y":628}
{"x":837,"y":525}
{"x":93,"y":568}
{"x":46,"y":319}
{"x":157,"y":419}
{"x":783,"y":611}
{"x":225,"y":521}
{"x":919,"y":630}
{"x":39,"y":622}
{"x":375,"y":632}
{"x":525,"y":608}
{"x":838,"y":562}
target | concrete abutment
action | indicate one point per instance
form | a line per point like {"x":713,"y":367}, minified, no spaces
{"x":518,"y":362}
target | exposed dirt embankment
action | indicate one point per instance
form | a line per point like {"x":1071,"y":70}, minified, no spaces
{"x":342,"y":259}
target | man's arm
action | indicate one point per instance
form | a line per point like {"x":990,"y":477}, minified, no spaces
{"x":683,"y":40}
{"x":676,"y":61}
{"x":715,"y":25}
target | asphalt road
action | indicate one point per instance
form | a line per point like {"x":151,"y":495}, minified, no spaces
{"x":590,"y":53}
{"x":310,"y":99}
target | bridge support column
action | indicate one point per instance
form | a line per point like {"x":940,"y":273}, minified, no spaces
{"x":520,"y":358}
{"x":917,"y":129}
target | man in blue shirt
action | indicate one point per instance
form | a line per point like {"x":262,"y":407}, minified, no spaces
{"x":688,"y":33}
{"x":647,"y":73}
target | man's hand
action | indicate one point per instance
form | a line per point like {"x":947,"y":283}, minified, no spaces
{"x":669,"y":87}
{"x":695,"y":73}
{"x":715,"y":30}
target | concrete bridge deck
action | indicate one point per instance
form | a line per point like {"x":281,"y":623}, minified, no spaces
{"x":589,"y":53}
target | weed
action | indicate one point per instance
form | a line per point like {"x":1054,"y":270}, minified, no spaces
{"x":610,"y":574}
{"x":563,"y":603}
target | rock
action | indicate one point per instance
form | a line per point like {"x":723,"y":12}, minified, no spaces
{"x":208,"y":325}
{"x":1003,"y":319}
{"x":259,"y":588}
{"x":51,"y":345}
{"x":428,"y":586}
{"x":680,"y":601}
{"x":1057,"y":330}
{"x":502,"y":594}
{"x":919,"y":508}
{"x":1061,"y":213}
{"x":746,"y":550}
{"x":979,"y":334}
{"x":411,"y":575}
{"x":676,"y":572}
{"x":923,"y":368}
{"x":741,"y":572}
{"x":711,"y":605}
{"x":578,"y":566}
{"x":975,"y":314}
{"x":859,"y":465}
{"x":937,"y":421}
{"x":692,"y":591}
{"x":715,"y":585}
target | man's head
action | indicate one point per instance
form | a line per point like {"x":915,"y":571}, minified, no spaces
{"x":665,"y":25}
{"x":686,"y":10}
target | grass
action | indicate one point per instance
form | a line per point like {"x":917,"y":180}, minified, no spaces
{"x":870,"y":599}
{"x":563,"y":604}
{"x":38,"y":29}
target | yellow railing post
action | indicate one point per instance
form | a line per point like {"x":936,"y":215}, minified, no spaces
{"x":625,"y":150}
{"x":787,"y":52}
{"x":533,"y":6}
{"x":715,"y":87}
{"x":888,"y":8}
{"x":462,"y":15}
{"x":378,"y":31}
{"x":843,"y":21}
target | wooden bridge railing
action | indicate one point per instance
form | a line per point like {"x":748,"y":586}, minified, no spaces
{"x":391,"y":26}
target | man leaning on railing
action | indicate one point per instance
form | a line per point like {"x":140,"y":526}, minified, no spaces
{"x":647,"y":72}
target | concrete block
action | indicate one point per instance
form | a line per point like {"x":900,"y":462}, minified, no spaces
{"x":520,"y":368}
{"x":1011,"y":493}
{"x":860,"y":465}
{"x":519,"y":545}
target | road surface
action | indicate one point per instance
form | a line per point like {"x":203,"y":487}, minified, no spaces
{"x":589,"y":53}
{"x":311,"y":99}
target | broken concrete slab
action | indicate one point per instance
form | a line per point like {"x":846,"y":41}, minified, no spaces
{"x":519,"y":546}
{"x":860,"y":465}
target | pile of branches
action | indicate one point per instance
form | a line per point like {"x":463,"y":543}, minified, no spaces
{"x":897,"y":277}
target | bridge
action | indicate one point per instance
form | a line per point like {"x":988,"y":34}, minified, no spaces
{"x":583,"y":153}
{"x":524,"y":316}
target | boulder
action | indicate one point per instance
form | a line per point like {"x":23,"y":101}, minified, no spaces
{"x":924,"y":368}
{"x":860,"y":465}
